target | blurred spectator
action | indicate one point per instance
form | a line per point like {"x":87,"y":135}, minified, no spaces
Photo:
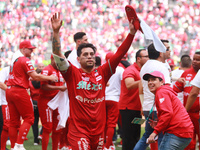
{"x":103,"y":20}
{"x":171,"y":64}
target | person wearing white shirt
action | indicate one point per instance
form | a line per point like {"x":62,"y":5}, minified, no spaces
{"x":79,"y":38}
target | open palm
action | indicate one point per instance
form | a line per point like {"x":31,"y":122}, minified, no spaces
{"x":56,"y":22}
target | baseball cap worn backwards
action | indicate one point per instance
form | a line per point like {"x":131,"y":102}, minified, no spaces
{"x":26,"y":44}
{"x":156,"y":74}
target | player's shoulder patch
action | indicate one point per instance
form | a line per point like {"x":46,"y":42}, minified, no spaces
{"x":161,"y":100}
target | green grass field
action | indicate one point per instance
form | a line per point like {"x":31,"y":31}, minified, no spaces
{"x":29,"y":143}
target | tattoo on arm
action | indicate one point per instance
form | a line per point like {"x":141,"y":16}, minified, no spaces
{"x":56,"y":46}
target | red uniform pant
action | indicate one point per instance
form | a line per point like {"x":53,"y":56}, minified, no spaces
{"x":81,"y":141}
{"x":20,"y":105}
{"x":49,"y":119}
{"x":195,"y":120}
{"x":112,"y":113}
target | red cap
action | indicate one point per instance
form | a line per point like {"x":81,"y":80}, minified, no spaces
{"x":109,"y":55}
{"x":157,"y":74}
{"x":26,"y":44}
{"x":171,"y":62}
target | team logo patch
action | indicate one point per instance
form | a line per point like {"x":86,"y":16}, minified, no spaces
{"x":161,"y":100}
{"x":98,"y":78}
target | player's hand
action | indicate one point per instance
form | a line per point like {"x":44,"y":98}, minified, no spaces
{"x":132,"y":28}
{"x":63,"y":88}
{"x":181,"y":80}
{"x":152,"y":138}
{"x":142,"y":113}
{"x":53,"y":78}
{"x":153,"y":123}
{"x":56,"y":23}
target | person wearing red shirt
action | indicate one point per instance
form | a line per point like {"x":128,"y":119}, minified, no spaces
{"x":173,"y":120}
{"x":183,"y":84}
{"x":19,"y":101}
{"x":86,"y":88}
{"x":49,"y":117}
{"x":129,"y":103}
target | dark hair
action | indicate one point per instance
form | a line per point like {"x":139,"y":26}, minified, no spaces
{"x":38,"y":70}
{"x":85,"y":45}
{"x":152,"y":52}
{"x":98,"y":61}
{"x":197,"y":52}
{"x":78,"y":35}
{"x":138,"y":53}
{"x":125,"y":63}
{"x":164,"y":41}
{"x":67,"y":53}
{"x":186,"y":61}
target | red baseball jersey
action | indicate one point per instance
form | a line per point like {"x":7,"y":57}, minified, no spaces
{"x":189,"y":75}
{"x":87,"y":98}
{"x":19,"y":72}
{"x":87,"y":93}
{"x":47,"y":71}
{"x":172,"y":116}
{"x":129,"y":99}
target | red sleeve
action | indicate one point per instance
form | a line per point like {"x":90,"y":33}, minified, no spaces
{"x":165,"y":111}
{"x":27,"y":65}
{"x":116,"y":58}
{"x":129,"y":73}
{"x":178,"y":87}
{"x":122,"y":50}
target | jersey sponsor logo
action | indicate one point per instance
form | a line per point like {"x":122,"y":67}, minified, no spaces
{"x":11,"y":76}
{"x":86,"y":100}
{"x":83,"y":144}
{"x":161,"y":100}
{"x":98,"y":78}
{"x":45,"y":72}
{"x":96,"y":74}
{"x":85,"y":78}
{"x":88,"y":86}
{"x":188,"y":78}
{"x":187,"y":84}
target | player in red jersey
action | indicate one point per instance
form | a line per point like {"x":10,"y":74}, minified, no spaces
{"x":183,"y":84}
{"x":49,"y":118}
{"x":19,"y":101}
{"x":86,"y":88}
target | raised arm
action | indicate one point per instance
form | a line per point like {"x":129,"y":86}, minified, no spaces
{"x":61,"y":62}
{"x":56,"y":24}
{"x":124,"y":47}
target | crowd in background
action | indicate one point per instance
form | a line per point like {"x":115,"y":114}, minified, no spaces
{"x":104,"y":21}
